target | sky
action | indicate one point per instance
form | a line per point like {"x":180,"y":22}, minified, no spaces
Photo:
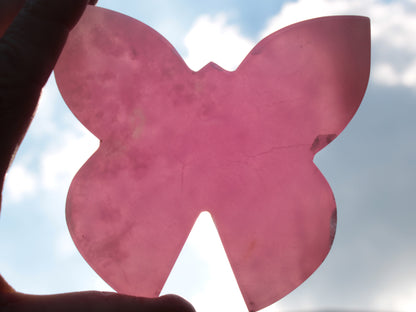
{"x":371,"y":168}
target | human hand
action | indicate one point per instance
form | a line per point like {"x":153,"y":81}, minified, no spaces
{"x":91,"y":302}
{"x":29,"y":49}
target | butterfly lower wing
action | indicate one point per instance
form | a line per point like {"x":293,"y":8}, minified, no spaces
{"x":276,"y":222}
{"x":128,"y":220}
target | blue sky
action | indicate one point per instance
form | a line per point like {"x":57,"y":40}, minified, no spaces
{"x":371,"y":168}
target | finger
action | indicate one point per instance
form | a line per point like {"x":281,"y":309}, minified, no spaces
{"x":95,"y":302}
{"x":8,"y":10}
{"x":173,"y":303}
{"x":31,"y":45}
{"x":5,"y":288}
{"x":28,"y":52}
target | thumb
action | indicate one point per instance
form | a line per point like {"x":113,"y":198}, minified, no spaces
{"x":8,"y":10}
{"x":94,"y":302}
{"x":173,"y":303}
{"x":29,"y":50}
{"x":32,"y":44}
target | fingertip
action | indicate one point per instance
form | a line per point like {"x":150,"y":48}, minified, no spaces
{"x":117,"y":302}
{"x":65,"y":12}
{"x":5,"y":288}
{"x":32,"y":43}
{"x":174,"y":303}
{"x":8,"y":12}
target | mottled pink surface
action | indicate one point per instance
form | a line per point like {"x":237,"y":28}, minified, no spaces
{"x":240,"y":145}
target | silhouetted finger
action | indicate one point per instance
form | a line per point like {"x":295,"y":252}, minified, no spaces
{"x":96,"y":302}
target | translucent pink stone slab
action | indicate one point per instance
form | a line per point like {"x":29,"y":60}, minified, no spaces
{"x":240,"y":145}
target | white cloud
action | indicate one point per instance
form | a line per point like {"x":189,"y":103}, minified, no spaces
{"x":204,"y":237}
{"x":59,"y":165}
{"x":403,"y":301}
{"x":300,"y":10}
{"x":20,"y":182}
{"x":218,"y":289}
{"x":409,"y":75}
{"x":100,"y":285}
{"x":44,"y":122}
{"x":393,"y":28}
{"x":386,"y":74}
{"x":221,"y":283}
{"x":64,"y":246}
{"x":213,"y":39}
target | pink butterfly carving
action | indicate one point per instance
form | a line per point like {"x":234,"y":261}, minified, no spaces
{"x":239,"y":144}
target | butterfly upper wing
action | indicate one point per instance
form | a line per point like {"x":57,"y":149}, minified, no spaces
{"x":312,"y":75}
{"x":112,"y":63}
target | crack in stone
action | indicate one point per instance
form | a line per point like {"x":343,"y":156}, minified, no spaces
{"x":274,"y":148}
